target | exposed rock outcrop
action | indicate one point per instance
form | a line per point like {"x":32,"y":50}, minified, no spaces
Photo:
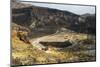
{"x":21,"y":13}
{"x":47,"y":20}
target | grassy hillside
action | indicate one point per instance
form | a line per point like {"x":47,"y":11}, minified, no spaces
{"x":26,"y":54}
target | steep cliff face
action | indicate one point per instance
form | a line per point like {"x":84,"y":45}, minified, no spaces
{"x":52,"y":20}
{"x":22,"y":16}
{"x":21,"y":13}
{"x":47,"y":20}
{"x":51,"y":17}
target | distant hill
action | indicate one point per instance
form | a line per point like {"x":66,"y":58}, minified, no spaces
{"x":47,"y":20}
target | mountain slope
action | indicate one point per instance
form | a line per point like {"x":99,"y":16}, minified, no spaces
{"x":47,"y":20}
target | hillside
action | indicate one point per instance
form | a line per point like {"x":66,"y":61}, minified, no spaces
{"x":40,"y":19}
{"x":43,"y":35}
{"x":82,"y":49}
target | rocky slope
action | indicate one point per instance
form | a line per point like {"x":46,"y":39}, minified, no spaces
{"x":34,"y":28}
{"x":46,"y":20}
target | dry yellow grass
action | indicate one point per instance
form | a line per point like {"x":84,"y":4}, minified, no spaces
{"x":26,"y":54}
{"x":25,"y":51}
